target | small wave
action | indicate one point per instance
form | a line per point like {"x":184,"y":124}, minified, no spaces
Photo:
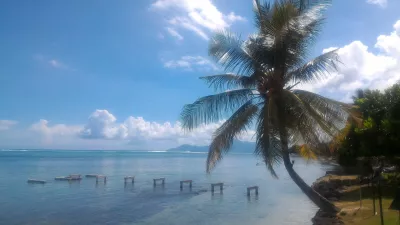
{"x":189,"y":152}
{"x":156,"y":151}
{"x":13,"y":150}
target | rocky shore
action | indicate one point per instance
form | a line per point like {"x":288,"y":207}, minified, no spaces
{"x":330,"y":187}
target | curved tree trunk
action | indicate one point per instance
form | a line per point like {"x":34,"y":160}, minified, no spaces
{"x":319,"y":200}
{"x":323,"y":203}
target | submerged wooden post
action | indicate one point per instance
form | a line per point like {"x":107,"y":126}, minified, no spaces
{"x":129,"y":177}
{"x":221,"y":185}
{"x":252,"y":188}
{"x":159,"y":179}
{"x":186,"y":181}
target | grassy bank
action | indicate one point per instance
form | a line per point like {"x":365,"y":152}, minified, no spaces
{"x":351,"y":212}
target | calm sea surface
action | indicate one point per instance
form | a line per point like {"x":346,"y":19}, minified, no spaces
{"x":60,"y":202}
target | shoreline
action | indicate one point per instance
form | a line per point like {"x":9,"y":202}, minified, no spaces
{"x":328,"y":186}
{"x":354,"y":200}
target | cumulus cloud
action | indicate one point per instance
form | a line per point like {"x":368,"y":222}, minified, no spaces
{"x":390,"y":44}
{"x":196,"y":16}
{"x":48,"y":132}
{"x":103,"y":131}
{"x":103,"y":125}
{"x":381,"y":3}
{"x":7,"y":124}
{"x":191,"y":63}
{"x":362,"y":68}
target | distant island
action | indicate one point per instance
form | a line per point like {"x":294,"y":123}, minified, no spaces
{"x":237,"y":147}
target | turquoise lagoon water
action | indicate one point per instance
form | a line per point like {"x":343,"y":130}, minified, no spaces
{"x":61,"y":203}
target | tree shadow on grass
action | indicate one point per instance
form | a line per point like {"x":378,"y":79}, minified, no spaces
{"x":388,"y":192}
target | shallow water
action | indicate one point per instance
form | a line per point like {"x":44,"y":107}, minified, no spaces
{"x":60,"y":202}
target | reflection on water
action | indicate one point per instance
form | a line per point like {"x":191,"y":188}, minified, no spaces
{"x":119,"y":202}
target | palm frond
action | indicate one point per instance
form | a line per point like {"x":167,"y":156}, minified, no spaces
{"x":262,"y":50}
{"x":326,"y":111}
{"x":213,"y":108}
{"x":301,"y":31}
{"x":316,"y":69}
{"x":306,"y":4}
{"x":263,"y":14}
{"x":230,"y":81}
{"x":307,"y":153}
{"x":315,"y":119}
{"x":333,"y":111}
{"x":320,"y":118}
{"x":227,"y":50}
{"x":301,"y":127}
{"x":305,"y":133}
{"x":224,"y":135}
{"x":267,"y":145}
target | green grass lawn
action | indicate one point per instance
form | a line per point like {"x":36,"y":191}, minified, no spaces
{"x":352,"y":214}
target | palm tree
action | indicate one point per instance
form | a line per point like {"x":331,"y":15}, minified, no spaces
{"x":261,"y":94}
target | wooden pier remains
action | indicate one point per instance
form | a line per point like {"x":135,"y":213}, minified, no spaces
{"x":75,"y":175}
{"x":159,"y":179}
{"x":126,"y":179}
{"x":34,"y":181}
{"x":102,"y":177}
{"x":252,"y":188}
{"x":221,"y":187}
{"x":91,"y":175}
{"x":186,"y":181}
{"x":71,"y":177}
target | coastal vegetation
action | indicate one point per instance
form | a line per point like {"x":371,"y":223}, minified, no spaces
{"x":259,"y":89}
{"x":378,"y":135}
{"x":366,"y":147}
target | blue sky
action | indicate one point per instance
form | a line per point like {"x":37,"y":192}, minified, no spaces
{"x":115,"y":74}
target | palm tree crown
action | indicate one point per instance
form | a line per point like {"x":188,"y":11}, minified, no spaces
{"x":260,"y":90}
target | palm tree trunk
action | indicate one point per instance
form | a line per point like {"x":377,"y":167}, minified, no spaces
{"x":323,"y":203}
{"x":319,"y":200}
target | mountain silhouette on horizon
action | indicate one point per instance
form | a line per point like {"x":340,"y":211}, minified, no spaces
{"x":237,"y":146}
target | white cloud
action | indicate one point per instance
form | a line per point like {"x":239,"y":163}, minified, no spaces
{"x":362,"y":68}
{"x":191,"y":62}
{"x":101,"y":125}
{"x":7,"y":124}
{"x":233,"y":17}
{"x":57,"y":64}
{"x":396,"y":27}
{"x":185,"y":23}
{"x":196,"y":16}
{"x":381,"y":3}
{"x":134,"y":132}
{"x":51,"y":62}
{"x":174,"y":33}
{"x":48,"y":132}
{"x":390,"y":44}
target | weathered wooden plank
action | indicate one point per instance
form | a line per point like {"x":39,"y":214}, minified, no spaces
{"x":35,"y":181}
